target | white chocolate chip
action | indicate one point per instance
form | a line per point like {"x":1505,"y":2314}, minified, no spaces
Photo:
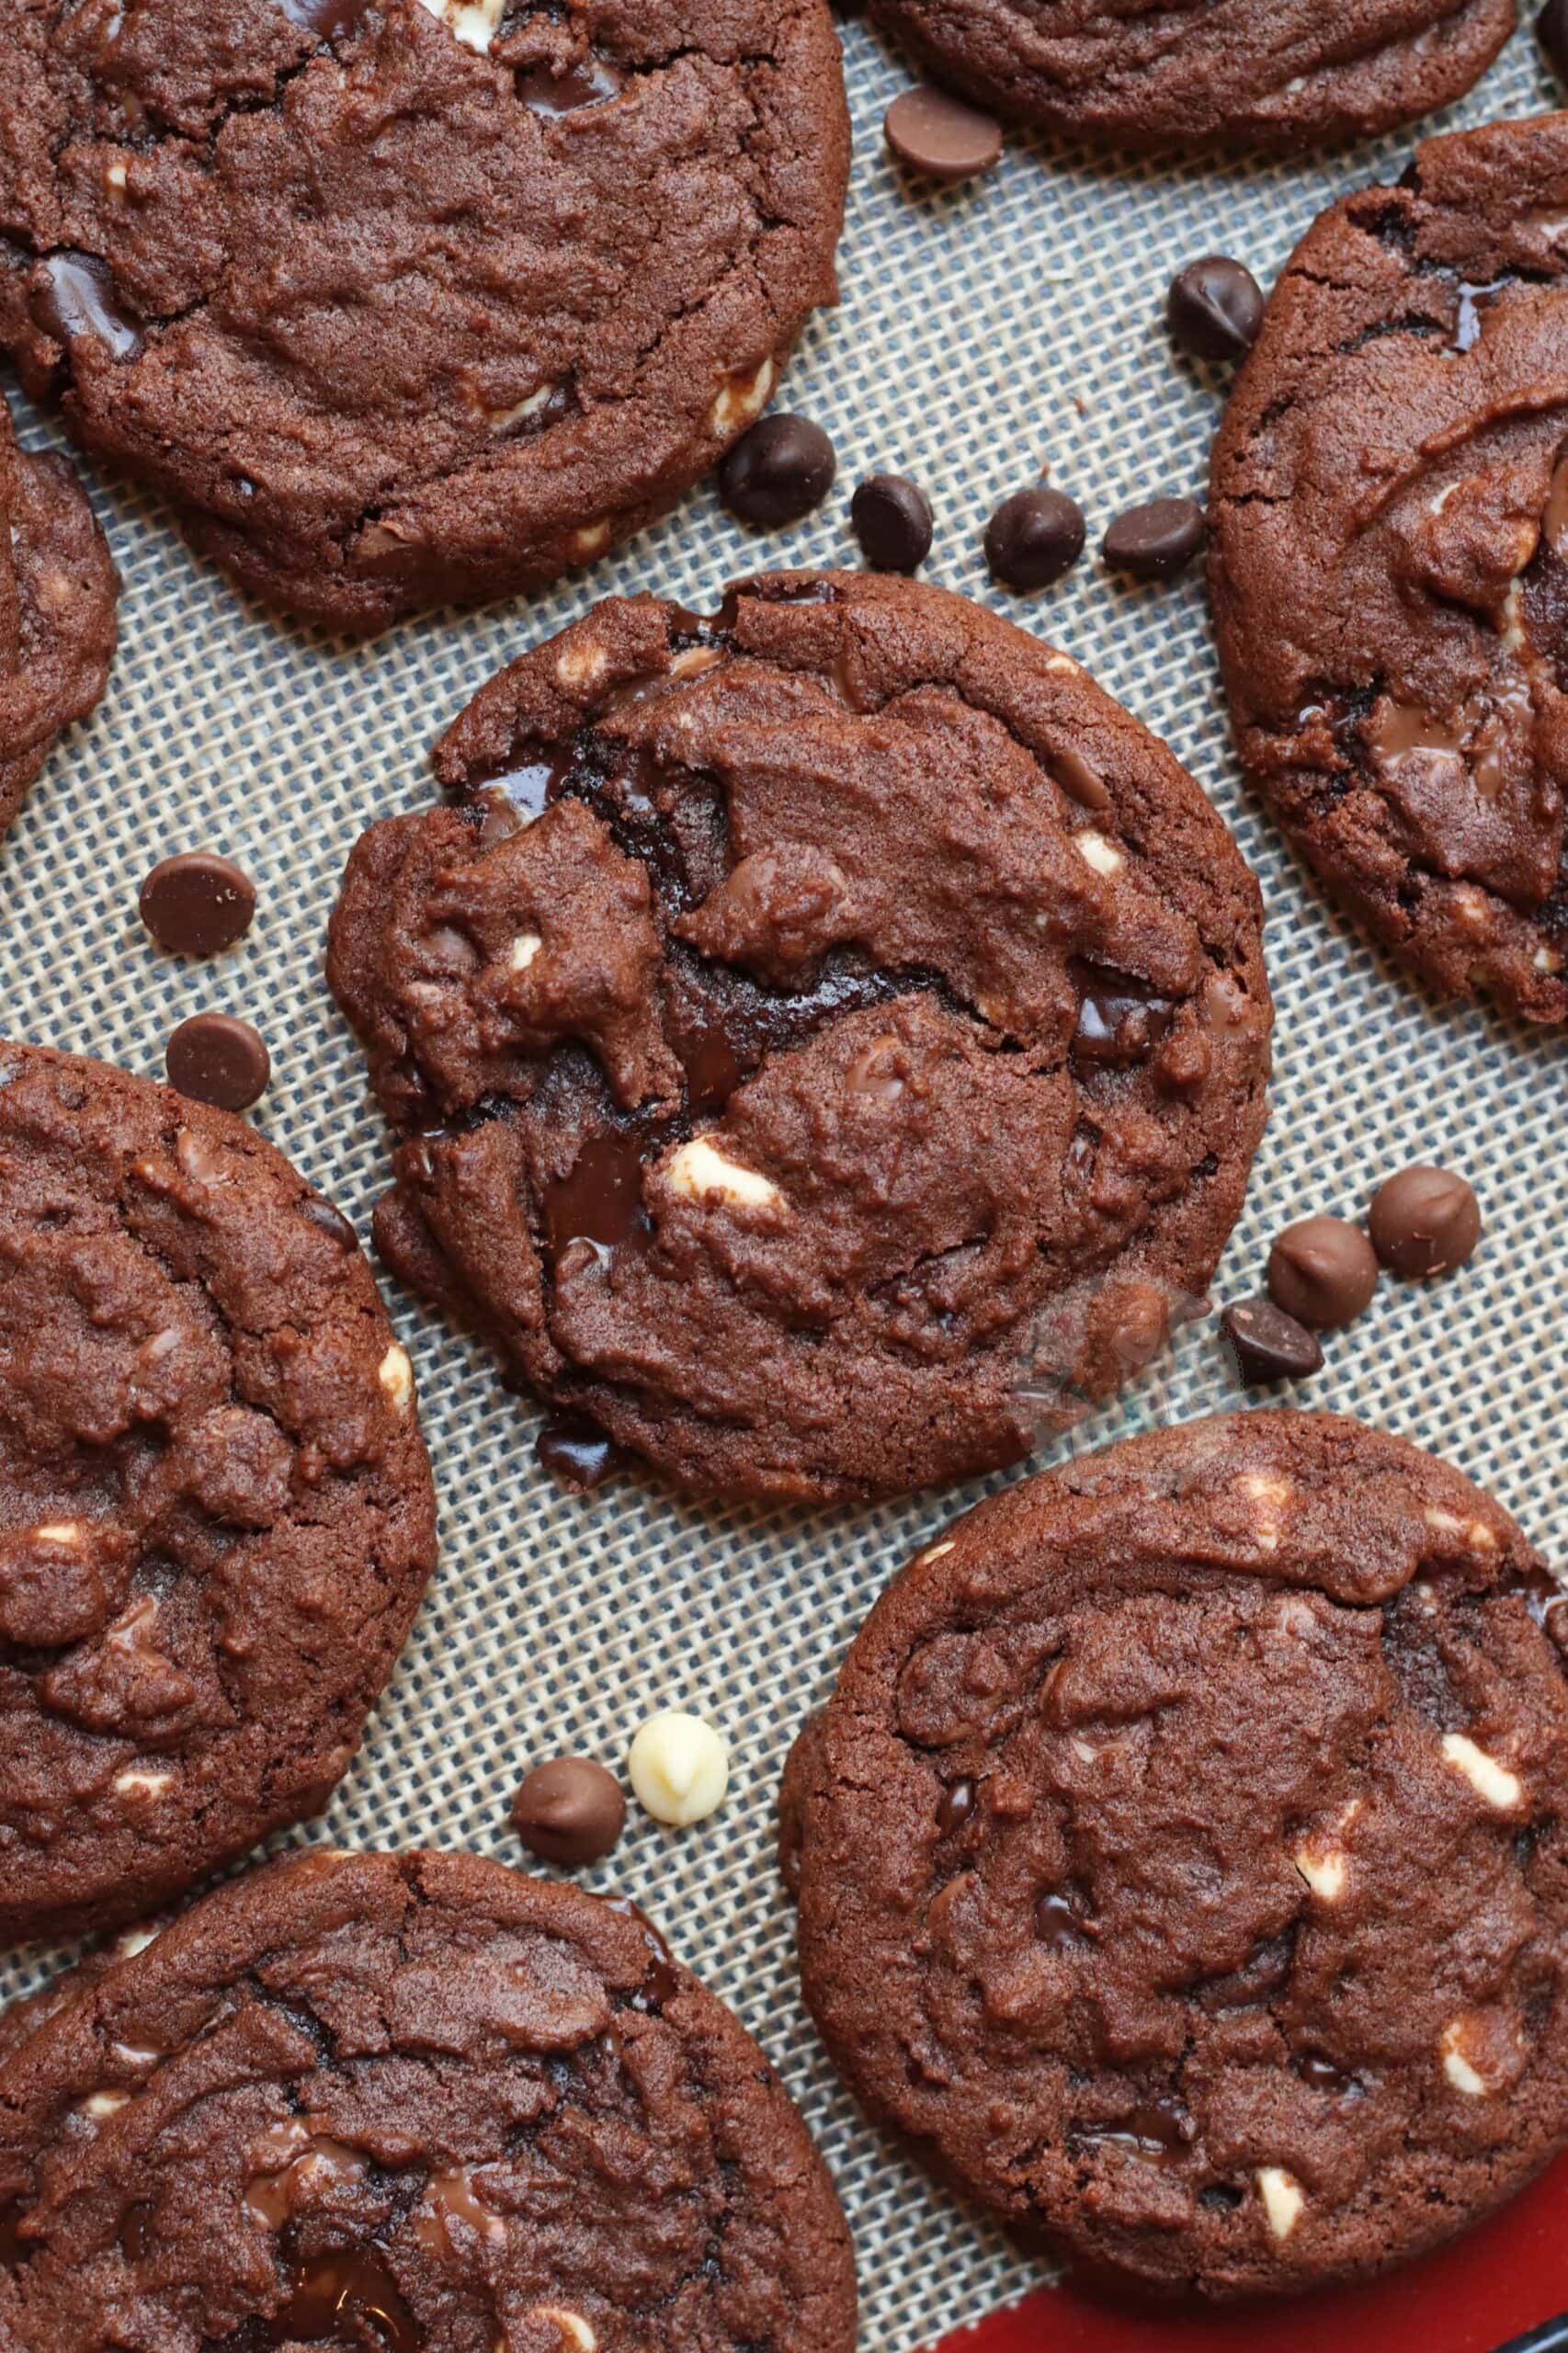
{"x":692,"y":663}
{"x":1282,"y":2199}
{"x":133,"y":1941}
{"x":701,"y":1172}
{"x":134,"y":2055}
{"x":1547,"y":960}
{"x":935,"y":1552}
{"x":473,"y":22}
{"x":501,"y":420}
{"x":1455,"y":2065}
{"x":1271,"y":1496}
{"x":581,"y":664}
{"x":525,"y":947}
{"x":1471,"y":908}
{"x":114,"y":179}
{"x":138,"y":1782}
{"x":1326,"y":1870}
{"x":1510,"y":625}
{"x":592,"y":539}
{"x":1096,"y":851}
{"x":1490,"y":1782}
{"x":575,"y":2329}
{"x":59,"y":1531}
{"x":742,"y":398}
{"x":679,"y":1768}
{"x":1061,"y":661}
{"x":99,"y":2104}
{"x":1085,"y":1751}
{"x":396,"y":1375}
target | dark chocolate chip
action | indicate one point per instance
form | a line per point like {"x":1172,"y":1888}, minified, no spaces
{"x":779,"y":470}
{"x":893,"y":523}
{"x":332,"y":1222}
{"x":1424,"y":1221}
{"x":1268,"y":1344}
{"x":1034,"y":537}
{"x":1552,"y":31}
{"x":1155,"y":541}
{"x":576,"y":1453}
{"x":955,"y":1807}
{"x":196,"y":904}
{"x":1215,"y":308}
{"x":1323,"y":1273}
{"x":216,"y":1058}
{"x":570,"y":1811}
{"x":931,"y":132}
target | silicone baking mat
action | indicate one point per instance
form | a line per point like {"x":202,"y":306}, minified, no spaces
{"x":983,"y":334}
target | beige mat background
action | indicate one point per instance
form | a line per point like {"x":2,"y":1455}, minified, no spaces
{"x":983,"y":334}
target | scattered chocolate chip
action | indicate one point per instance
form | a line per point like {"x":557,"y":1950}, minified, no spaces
{"x":332,"y":1222}
{"x":196,"y":904}
{"x":893,"y":523}
{"x":1323,"y":1273}
{"x":1552,"y":31}
{"x":576,"y":1453}
{"x":1424,"y":1221}
{"x":570,"y":1811}
{"x":1034,"y":537}
{"x":216,"y":1058}
{"x":780,"y":469}
{"x":1155,"y":541}
{"x":938,"y":135}
{"x":1215,"y":308}
{"x":1268,"y":1344}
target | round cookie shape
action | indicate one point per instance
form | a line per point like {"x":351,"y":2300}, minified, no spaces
{"x":218,"y":1516}
{"x":1181,"y":1856}
{"x":57,"y":594}
{"x":1388,"y":560}
{"x":1228,"y":73}
{"x":403,"y":303}
{"x":461,"y":2107}
{"x":828,"y":1041}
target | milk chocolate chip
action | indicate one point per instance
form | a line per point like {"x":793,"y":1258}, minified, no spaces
{"x":1323,"y":1273}
{"x":570,"y":1811}
{"x":1424,"y":1221}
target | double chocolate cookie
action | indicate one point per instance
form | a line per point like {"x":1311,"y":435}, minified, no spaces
{"x":1389,"y":560}
{"x":401,"y":303}
{"x":1183,"y":1856}
{"x":1278,"y":74}
{"x":828,"y":1041}
{"x":418,"y":2103}
{"x":216,"y":1515}
{"x":58,"y":592}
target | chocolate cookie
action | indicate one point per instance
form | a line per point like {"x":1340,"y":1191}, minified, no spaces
{"x":419,"y":2103}
{"x":401,"y":303}
{"x":217,"y":1518}
{"x":1183,"y":1856}
{"x":1389,"y":560}
{"x":1278,"y":74}
{"x":828,"y":1041}
{"x":58,"y":590}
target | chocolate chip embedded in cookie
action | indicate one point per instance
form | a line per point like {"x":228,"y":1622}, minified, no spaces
{"x":58,"y":592}
{"x":1388,"y":560}
{"x":401,"y":303}
{"x":1183,"y":1856}
{"x":407,"y":2102}
{"x":828,"y":1041}
{"x":217,"y":1518}
{"x":1286,"y":75}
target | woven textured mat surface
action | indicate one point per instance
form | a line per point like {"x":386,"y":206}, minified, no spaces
{"x":982,"y":335}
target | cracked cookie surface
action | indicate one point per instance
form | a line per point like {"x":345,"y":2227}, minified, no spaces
{"x":401,"y":306}
{"x":1388,"y":560}
{"x":419,"y":2102}
{"x":58,"y":592}
{"x":1182,"y":1854}
{"x":829,"y":1041}
{"x":216,"y":1515}
{"x":1277,"y":74}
